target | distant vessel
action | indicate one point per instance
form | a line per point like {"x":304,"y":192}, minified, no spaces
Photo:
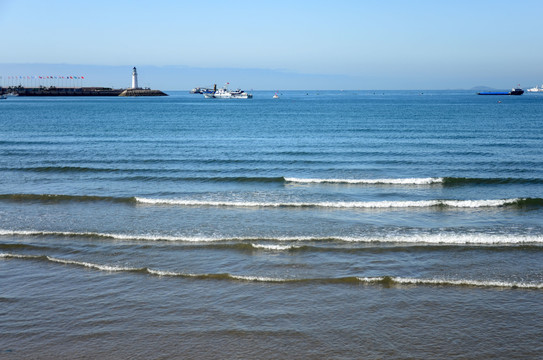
{"x":3,"y":97}
{"x":224,"y":93}
{"x":275,"y":96}
{"x":514,"y":91}
{"x":536,"y":89}
{"x":199,"y":90}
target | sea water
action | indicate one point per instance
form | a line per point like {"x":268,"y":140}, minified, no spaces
{"x":320,"y":225}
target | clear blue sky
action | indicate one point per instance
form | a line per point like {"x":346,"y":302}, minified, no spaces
{"x":379,"y":44}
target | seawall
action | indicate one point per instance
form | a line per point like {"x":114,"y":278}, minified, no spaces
{"x":142,"y":92}
{"x":80,"y":91}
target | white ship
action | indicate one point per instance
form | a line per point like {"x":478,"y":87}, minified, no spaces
{"x":224,"y":93}
{"x":536,"y":89}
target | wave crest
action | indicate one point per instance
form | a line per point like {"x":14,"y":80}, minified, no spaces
{"x":344,"y":204}
{"x":407,"y":181}
{"x":387,"y":281}
{"x":422,"y":238}
{"x":445,"y":181}
{"x":274,"y":247}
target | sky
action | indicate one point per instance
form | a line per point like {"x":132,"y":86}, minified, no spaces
{"x":340,"y":44}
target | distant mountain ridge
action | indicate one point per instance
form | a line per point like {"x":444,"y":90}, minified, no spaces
{"x":482,"y":88}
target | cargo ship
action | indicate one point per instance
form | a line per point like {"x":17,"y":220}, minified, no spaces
{"x":514,"y":91}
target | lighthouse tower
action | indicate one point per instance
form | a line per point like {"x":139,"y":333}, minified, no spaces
{"x":134,"y":78}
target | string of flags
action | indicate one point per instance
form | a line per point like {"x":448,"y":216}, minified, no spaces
{"x":21,"y":77}
{"x":41,"y":80}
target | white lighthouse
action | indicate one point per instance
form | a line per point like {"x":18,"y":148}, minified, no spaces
{"x":134,"y":78}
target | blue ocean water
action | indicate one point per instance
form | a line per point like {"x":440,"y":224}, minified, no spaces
{"x":329,"y":224}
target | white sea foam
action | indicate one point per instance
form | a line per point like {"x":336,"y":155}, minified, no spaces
{"x":464,"y":239}
{"x":274,"y":247}
{"x":421,"y":238}
{"x":17,"y":256}
{"x":128,"y":237}
{"x":370,"y":280}
{"x":164,"y":273}
{"x":91,"y":265}
{"x":458,"y":282}
{"x":408,"y":181}
{"x":257,"y":278}
{"x":336,"y":204}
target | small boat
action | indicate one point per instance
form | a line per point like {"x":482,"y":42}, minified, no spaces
{"x":275,"y":96}
{"x":514,"y":91}
{"x":536,"y":89}
{"x":199,"y":90}
{"x":224,"y":93}
{"x":3,"y":97}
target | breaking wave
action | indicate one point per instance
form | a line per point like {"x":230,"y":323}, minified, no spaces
{"x":58,"y":198}
{"x":150,"y":174}
{"x":410,"y":181}
{"x":275,"y":247}
{"x":422,"y":238}
{"x":388,"y":281}
{"x":349,"y":204}
{"x":444,"y":181}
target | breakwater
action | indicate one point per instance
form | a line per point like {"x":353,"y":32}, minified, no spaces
{"x":78,"y":91}
{"x":142,"y":92}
